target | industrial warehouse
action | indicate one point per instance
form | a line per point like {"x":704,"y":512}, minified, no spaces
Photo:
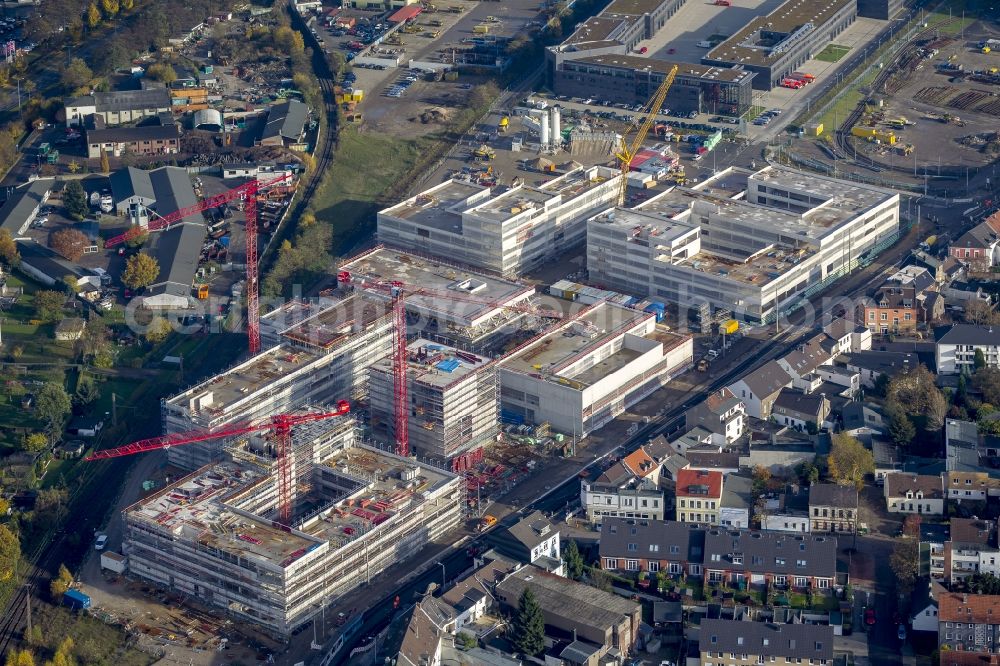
{"x":356,"y":511}
{"x":744,"y":241}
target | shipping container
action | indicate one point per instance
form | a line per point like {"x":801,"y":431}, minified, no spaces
{"x":112,"y":561}
{"x":76,"y":600}
{"x":729,"y":326}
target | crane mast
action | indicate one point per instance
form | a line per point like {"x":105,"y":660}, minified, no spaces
{"x":627,"y":151}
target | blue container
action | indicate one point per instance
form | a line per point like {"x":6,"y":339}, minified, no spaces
{"x":76,"y":600}
{"x":224,"y":241}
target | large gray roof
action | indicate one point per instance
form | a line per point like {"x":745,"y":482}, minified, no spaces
{"x":794,"y":401}
{"x":771,"y":552}
{"x":833,"y":494}
{"x":178,"y":250}
{"x":768,"y":379}
{"x":882,"y":362}
{"x":131,"y":182}
{"x":286,"y":120}
{"x":22,"y":204}
{"x":967,"y":334}
{"x":128,"y":100}
{"x":141,"y":133}
{"x":653,"y":539}
{"x":791,"y":641}
{"x":532,"y":529}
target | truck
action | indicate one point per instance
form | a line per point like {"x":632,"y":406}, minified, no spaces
{"x":481,"y":29}
{"x":802,"y":76}
{"x":486,"y":522}
{"x":504,"y":124}
{"x":76,"y":600}
{"x":874,"y":134}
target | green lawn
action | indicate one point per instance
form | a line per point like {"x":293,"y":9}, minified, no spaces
{"x":832,"y":53}
{"x":94,"y":642}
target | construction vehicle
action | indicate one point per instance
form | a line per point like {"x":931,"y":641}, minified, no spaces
{"x":432,"y":34}
{"x":202,"y":292}
{"x":248,"y":194}
{"x":484,"y":152}
{"x":874,"y":134}
{"x":456,"y":9}
{"x":486,"y":522}
{"x":279,"y":424}
{"x":481,"y":29}
{"x":627,"y":151}
{"x":504,"y":125}
{"x":411,"y":28}
{"x":703,"y":365}
{"x":435,"y":23}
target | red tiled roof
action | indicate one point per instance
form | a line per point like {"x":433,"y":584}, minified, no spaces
{"x":686,"y":478}
{"x":962,"y":658}
{"x":405,"y":14}
{"x":974,"y":608}
{"x":639,"y":462}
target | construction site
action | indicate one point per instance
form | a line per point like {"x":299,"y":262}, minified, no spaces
{"x":453,"y":400}
{"x":216,"y":535}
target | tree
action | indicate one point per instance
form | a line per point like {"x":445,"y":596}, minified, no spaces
{"x":528,"y":627}
{"x":850,"y":461}
{"x":8,"y":249}
{"x":20,"y":658}
{"x":905,"y":564}
{"x":574,"y":561}
{"x":901,"y":429}
{"x":987,"y":382}
{"x":49,"y":305}
{"x":983,"y":583}
{"x":110,"y":7}
{"x":937,"y":409}
{"x":911,"y":525}
{"x":980,"y":313}
{"x":70,"y":243}
{"x":93,"y":15}
{"x":761,"y":477}
{"x":140,"y":271}
{"x":979,"y":359}
{"x":60,"y":583}
{"x":53,"y":405}
{"x":35,"y":442}
{"x":105,"y":162}
{"x":76,"y":75}
{"x":75,"y":200}
{"x":10,"y":554}
{"x":161,"y":71}
{"x":157,"y":331}
{"x":86,"y":392}
{"x":881,"y":385}
{"x":466,"y":640}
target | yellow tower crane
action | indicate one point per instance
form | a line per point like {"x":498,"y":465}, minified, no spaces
{"x":628,"y":150}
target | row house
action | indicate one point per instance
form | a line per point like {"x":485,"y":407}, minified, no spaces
{"x":629,"y":488}
{"x":971,"y":548}
{"x":652,"y":546}
{"x":969,"y":486}
{"x":969,"y":622}
{"x":699,"y":496}
{"x":833,"y":507}
{"x":724,"y":642}
{"x":800,"y":561}
{"x":914,"y":493}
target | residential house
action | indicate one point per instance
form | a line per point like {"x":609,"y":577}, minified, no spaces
{"x":962,"y":486}
{"x":933,"y":538}
{"x":802,"y":411}
{"x":721,"y":413}
{"x":118,"y":107}
{"x":576,"y":609}
{"x":968,"y":622}
{"x":888,"y":458}
{"x":833,"y":507}
{"x":802,"y":362}
{"x":942,"y":270}
{"x":653,"y":546}
{"x":873,"y":364}
{"x":914,"y":493}
{"x":420,"y":644}
{"x":285,"y":125}
{"x":157,"y":139}
{"x":955,"y":347}
{"x":759,"y":389}
{"x":956,"y":658}
{"x":629,"y":488}
{"x":893,"y":309}
{"x":924,"y":606}
{"x":471,"y":597}
{"x":849,"y":335}
{"x":698,"y":496}
{"x":737,"y":501}
{"x":531,"y":540}
{"x":979,"y":247}
{"x":787,"y":511}
{"x":961,"y":445}
{"x":747,"y":643}
{"x":721,"y":462}
{"x":971,"y":549}
{"x":749,"y":557}
{"x":22,"y":206}
{"x":70,"y":328}
{"x":860,"y":420}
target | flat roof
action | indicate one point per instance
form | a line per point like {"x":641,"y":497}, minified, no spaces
{"x":595,"y":29}
{"x":331,"y":326}
{"x":569,"y":342}
{"x":513,"y":202}
{"x":684,"y":69}
{"x":632,"y":7}
{"x":438,"y":208}
{"x":477,"y":296}
{"x":747,"y":46}
{"x":436,"y":365}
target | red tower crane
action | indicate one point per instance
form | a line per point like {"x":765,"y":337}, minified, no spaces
{"x":399,"y":291}
{"x":248,"y":192}
{"x":280,"y":424}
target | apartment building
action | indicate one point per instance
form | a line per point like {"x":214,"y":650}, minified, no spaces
{"x":321,"y":356}
{"x":508,"y":233}
{"x":723,"y":642}
{"x":453,"y":400}
{"x":786,"y":561}
{"x":629,"y":489}
{"x":968,"y":622}
{"x":914,"y":493}
{"x":787,"y":511}
{"x":212,"y":535}
{"x":581,"y":374}
{"x":698,"y":496}
{"x":833,"y":507}
{"x":955,"y":347}
{"x":749,"y":242}
{"x":721,"y":413}
{"x":971,"y":548}
{"x":653,"y":546}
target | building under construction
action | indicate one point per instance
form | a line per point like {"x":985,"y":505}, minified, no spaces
{"x":317,"y":355}
{"x":444,"y":302}
{"x":453,"y":399}
{"x":213,"y":535}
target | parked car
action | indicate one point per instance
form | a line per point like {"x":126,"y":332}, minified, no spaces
{"x":102,"y":540}
{"x":901,"y":632}
{"x":870,"y":616}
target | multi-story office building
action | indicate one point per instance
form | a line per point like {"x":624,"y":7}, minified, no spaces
{"x":584,"y":372}
{"x":750,"y":242}
{"x":322,"y":357}
{"x":508,"y":233}
{"x":453,"y":400}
